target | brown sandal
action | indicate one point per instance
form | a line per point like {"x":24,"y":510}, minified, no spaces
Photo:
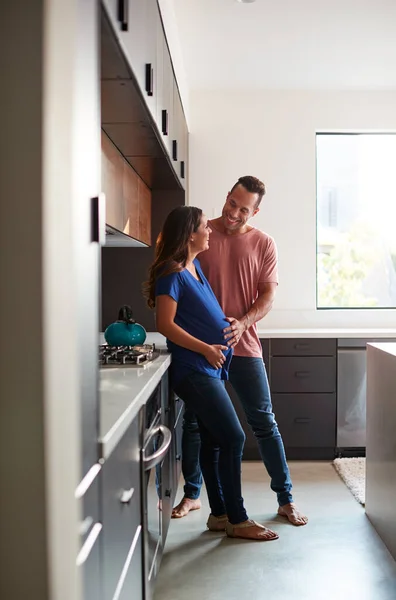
{"x":240,"y":531}
{"x":216,"y":523}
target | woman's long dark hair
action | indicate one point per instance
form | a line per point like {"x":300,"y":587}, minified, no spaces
{"x":171,"y":249}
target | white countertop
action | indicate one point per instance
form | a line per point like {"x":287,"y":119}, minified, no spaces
{"x":124,"y":390}
{"x":327,"y":333}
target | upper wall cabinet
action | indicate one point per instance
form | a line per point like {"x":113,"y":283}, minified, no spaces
{"x":139,"y":32}
{"x":180,"y":139}
{"x":136,"y":25}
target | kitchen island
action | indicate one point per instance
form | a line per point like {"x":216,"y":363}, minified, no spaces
{"x":381,"y":441}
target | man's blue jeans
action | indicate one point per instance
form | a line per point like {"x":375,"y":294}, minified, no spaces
{"x":191,"y":447}
{"x":249,"y":380}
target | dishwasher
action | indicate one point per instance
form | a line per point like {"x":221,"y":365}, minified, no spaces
{"x":351,"y":395}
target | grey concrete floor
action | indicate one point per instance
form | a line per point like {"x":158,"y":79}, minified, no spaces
{"x":337,"y":556}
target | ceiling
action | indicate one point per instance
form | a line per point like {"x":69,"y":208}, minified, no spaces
{"x":288,"y":44}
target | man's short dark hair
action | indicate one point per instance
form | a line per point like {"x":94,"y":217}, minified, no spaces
{"x":252,"y":185}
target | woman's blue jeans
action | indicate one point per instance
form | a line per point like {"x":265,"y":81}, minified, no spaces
{"x":222,"y":441}
{"x":249,"y":380}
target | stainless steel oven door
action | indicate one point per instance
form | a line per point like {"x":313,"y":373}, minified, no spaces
{"x":156,"y":446}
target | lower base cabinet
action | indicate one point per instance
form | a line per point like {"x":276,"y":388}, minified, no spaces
{"x":136,"y":500}
{"x":302,"y":374}
{"x":122,"y":518}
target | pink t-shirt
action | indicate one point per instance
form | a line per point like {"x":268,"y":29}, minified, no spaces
{"x":234,"y":266}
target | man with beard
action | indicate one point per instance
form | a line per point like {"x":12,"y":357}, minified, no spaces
{"x":242,"y":268}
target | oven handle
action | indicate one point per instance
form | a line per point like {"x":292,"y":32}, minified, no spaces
{"x":151,"y":461}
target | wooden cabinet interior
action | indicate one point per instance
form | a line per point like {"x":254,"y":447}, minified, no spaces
{"x":128,"y":199}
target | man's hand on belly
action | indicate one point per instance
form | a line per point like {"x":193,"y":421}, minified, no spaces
{"x":232,"y":334}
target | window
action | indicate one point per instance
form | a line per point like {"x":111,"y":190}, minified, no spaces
{"x":356,"y":220}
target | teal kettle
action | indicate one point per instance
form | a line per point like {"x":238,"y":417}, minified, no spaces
{"x":125,"y":331}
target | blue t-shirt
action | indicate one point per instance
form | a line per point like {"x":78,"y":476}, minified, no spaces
{"x":199,"y":313}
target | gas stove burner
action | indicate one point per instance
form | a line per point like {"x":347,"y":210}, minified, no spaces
{"x":127,"y":355}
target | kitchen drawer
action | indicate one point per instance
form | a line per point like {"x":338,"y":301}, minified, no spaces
{"x":306,"y":421}
{"x":303,"y":374}
{"x":303,"y":347}
{"x":121,"y":506}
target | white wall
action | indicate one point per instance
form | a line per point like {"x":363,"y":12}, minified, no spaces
{"x":271,"y":134}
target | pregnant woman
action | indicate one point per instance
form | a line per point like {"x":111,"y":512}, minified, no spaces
{"x":189,"y":316}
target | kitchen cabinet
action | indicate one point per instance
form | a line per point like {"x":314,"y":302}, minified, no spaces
{"x":134,"y":23}
{"x":128,"y":199}
{"x":302,"y":374}
{"x":141,"y":108}
{"x":122,"y":518}
{"x":165,"y":116}
{"x":138,"y":483}
{"x":180,"y":137}
{"x":303,"y":379}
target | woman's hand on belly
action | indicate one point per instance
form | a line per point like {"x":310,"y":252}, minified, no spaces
{"x":215,"y":356}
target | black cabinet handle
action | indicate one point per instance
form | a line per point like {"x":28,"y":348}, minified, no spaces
{"x":168,"y":493}
{"x":165,"y":122}
{"x":301,"y":346}
{"x":182,"y":169}
{"x":123,"y":6}
{"x":302,"y":420}
{"x":302,"y":374}
{"x":98,"y":227}
{"x":174,"y":149}
{"x":178,"y":456}
{"x":149,"y":79}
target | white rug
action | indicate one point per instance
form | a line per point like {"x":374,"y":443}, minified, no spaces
{"x":353,"y":472}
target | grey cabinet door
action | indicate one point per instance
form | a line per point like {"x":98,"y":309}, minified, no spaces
{"x":167,"y":96}
{"x":113,"y":12}
{"x":92,"y":571}
{"x":134,"y":23}
{"x":90,"y":529}
{"x":86,"y":173}
{"x":132,"y":585}
{"x":121,"y":507}
{"x":179,"y":152}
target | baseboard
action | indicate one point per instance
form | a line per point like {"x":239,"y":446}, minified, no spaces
{"x":350,"y":452}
